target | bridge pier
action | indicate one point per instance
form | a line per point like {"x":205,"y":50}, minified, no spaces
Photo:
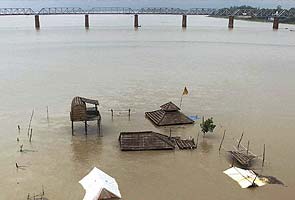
{"x":87,"y":21}
{"x":37,"y":22}
{"x":275,"y":23}
{"x":231,"y":22}
{"x":136,"y":21}
{"x":184,"y":20}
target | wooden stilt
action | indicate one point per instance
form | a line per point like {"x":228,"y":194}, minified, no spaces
{"x":222,"y":140}
{"x":72,"y":127}
{"x":86,"y":127}
{"x":240,"y":140}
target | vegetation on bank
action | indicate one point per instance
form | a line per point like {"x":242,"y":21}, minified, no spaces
{"x":286,"y":20}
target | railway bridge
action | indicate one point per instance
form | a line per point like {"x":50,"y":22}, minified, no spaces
{"x":230,"y":13}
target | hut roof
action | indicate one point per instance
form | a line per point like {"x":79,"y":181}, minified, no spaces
{"x":90,"y":101}
{"x":169,"y":107}
{"x":145,"y":140}
{"x":81,"y":100}
{"x":168,"y":116}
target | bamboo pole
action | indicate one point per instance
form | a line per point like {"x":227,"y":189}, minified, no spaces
{"x":180,"y":101}
{"x":263,"y":159}
{"x":222,"y":140}
{"x":240,"y":140}
{"x":248,"y":145}
{"x":31,"y":135}
{"x":30,"y":122}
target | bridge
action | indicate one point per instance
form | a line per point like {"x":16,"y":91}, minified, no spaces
{"x":225,"y":12}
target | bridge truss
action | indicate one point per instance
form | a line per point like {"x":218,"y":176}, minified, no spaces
{"x":284,"y":13}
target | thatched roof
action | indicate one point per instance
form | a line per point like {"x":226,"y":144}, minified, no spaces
{"x":169,"y":114}
{"x":169,"y":107}
{"x":145,"y":140}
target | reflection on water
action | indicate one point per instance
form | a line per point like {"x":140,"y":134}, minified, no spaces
{"x":243,"y":78}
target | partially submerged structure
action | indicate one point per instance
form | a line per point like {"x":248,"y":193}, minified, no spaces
{"x":245,"y":178}
{"x":99,"y":185}
{"x":249,"y":178}
{"x":169,"y":114}
{"x":80,"y":112}
{"x":149,"y":140}
{"x":145,"y":140}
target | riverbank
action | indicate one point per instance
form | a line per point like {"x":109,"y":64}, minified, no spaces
{"x":251,"y":19}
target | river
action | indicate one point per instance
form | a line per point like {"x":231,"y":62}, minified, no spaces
{"x":243,"y":78}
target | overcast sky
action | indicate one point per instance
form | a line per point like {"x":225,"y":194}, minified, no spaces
{"x":146,"y":3}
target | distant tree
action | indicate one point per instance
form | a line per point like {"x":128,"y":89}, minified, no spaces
{"x":207,"y":125}
{"x":279,"y":7}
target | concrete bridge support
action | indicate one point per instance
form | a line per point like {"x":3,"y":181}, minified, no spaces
{"x":231,"y":22}
{"x":275,"y":23}
{"x":37,"y":22}
{"x":184,"y":21}
{"x":87,"y":21}
{"x":136,"y":21}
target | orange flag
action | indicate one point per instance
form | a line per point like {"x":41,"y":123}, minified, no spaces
{"x":185,"y":91}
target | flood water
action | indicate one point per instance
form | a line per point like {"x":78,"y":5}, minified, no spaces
{"x":243,"y":78}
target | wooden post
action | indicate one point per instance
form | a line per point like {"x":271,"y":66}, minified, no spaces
{"x":87,"y":21}
{"x":129,"y":112}
{"x":86,"y":127}
{"x":231,"y":22}
{"x":222,"y":140}
{"x":240,"y":140}
{"x":37,"y":22}
{"x":98,"y":126}
{"x":72,"y":127}
{"x":184,"y":20}
{"x":170,"y":133}
{"x":30,"y":122}
{"x":275,"y":23}
{"x":31,"y":135}
{"x":248,"y":145}
{"x":263,"y":159}
{"x":136,"y":21}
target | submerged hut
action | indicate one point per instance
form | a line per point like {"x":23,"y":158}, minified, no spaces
{"x":169,"y":114}
{"x":80,"y":112}
{"x":145,"y":140}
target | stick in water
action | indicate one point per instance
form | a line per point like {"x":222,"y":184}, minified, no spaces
{"x":30,"y":122}
{"x":31,"y":135}
{"x":240,"y":140}
{"x":222,"y":140}
{"x":47,"y":115}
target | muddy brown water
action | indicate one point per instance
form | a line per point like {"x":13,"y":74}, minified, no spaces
{"x":243,"y":78}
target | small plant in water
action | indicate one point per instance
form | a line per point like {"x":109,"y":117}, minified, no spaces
{"x":207,"y":125}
